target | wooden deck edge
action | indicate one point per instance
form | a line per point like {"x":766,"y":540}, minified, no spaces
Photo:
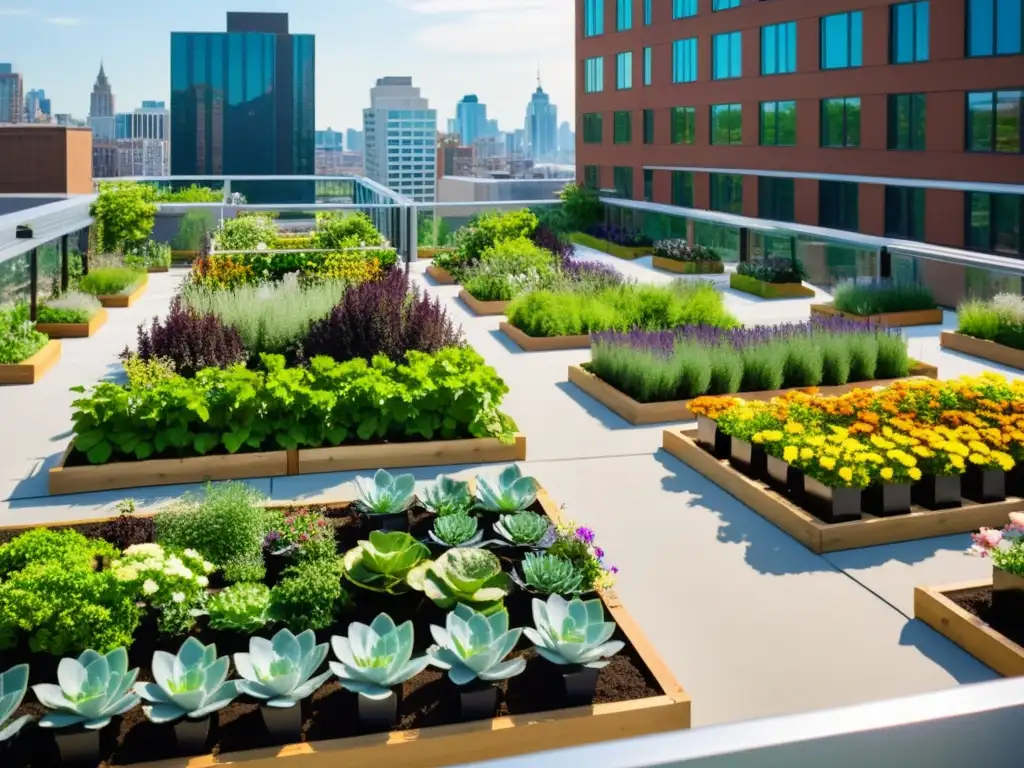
{"x":30,"y":371}
{"x":983,"y":348}
{"x":888,"y":320}
{"x":483,"y":308}
{"x":543,"y":343}
{"x":434,"y":453}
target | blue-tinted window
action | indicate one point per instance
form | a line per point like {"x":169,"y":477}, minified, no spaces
{"x":648,"y":11}
{"x":724,"y":5}
{"x":623,"y":15}
{"x":682,"y":9}
{"x":624,"y":71}
{"x":908,"y":32}
{"x":593,"y":18}
{"x":994,"y":223}
{"x":728,"y":55}
{"x":995,"y":27}
{"x":778,"y":48}
{"x":842,"y":40}
{"x":647,"y":66}
{"x":906,"y":126}
{"x":593,"y":75}
{"x":684,"y":60}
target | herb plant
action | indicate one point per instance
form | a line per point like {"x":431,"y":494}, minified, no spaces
{"x":508,"y":268}
{"x":1000,"y":319}
{"x":193,"y":683}
{"x":463,"y":575}
{"x":241,"y":607}
{"x":576,"y":543}
{"x":340,"y":230}
{"x":125,"y":214}
{"x":71,"y":307}
{"x":148,"y":255}
{"x":280,"y":670}
{"x":374,"y":659}
{"x":19,"y":339}
{"x":93,"y":689}
{"x":456,"y":531}
{"x":309,"y":596}
{"x":472,"y":646}
{"x":171,"y":582}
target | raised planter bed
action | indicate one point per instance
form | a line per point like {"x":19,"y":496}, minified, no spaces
{"x":637,"y":695}
{"x":823,"y":537}
{"x":636,"y":412}
{"x":30,"y":371}
{"x":887,"y":320}
{"x":987,"y":350}
{"x":124,"y":300}
{"x":620,"y":251}
{"x":435,"y":453}
{"x":157,"y":270}
{"x":688,"y":267}
{"x":440,"y":275}
{"x":963,"y":612}
{"x":74,"y":330}
{"x":765,"y":290}
{"x":479,"y":307}
{"x":426,"y":253}
{"x":543,"y":343}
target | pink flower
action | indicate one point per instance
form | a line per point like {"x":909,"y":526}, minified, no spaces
{"x":1016,"y":521}
{"x":986,"y":539}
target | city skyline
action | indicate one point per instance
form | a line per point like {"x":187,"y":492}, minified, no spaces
{"x":489,"y":47}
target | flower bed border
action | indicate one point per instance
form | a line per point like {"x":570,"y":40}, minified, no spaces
{"x":433,"y":453}
{"x":821,"y":537}
{"x":483,"y":308}
{"x":543,"y":343}
{"x":125,"y":300}
{"x":485,"y":739}
{"x":755,"y":287}
{"x":75,"y":330}
{"x":34,"y":368}
{"x":983,"y":348}
{"x":887,"y":319}
{"x":612,"y":249}
{"x":934,"y":607}
{"x":680,"y":267}
{"x":638,"y":413}
{"x":441,"y":275}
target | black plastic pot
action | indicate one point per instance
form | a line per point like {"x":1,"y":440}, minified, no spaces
{"x":831,"y":505}
{"x":748,"y":457}
{"x":580,"y":684}
{"x":78,"y":745}
{"x":284,"y":724}
{"x":377,"y":714}
{"x":275,"y":565}
{"x":478,"y":700}
{"x":887,"y":499}
{"x":937,"y":491}
{"x":396,"y":521}
{"x":1007,"y":592}
{"x":713,"y":440}
{"x":984,"y":486}
{"x":192,"y":735}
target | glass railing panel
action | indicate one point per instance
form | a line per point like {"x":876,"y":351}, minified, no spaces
{"x":185,"y":231}
{"x":48,"y":268}
{"x":763,"y":246}
{"x":724,"y":239}
{"x":829,"y":263}
{"x":15,"y":286}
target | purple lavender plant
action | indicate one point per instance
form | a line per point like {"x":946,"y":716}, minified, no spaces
{"x":545,"y":237}
{"x":630,"y":238}
{"x":594,"y":272}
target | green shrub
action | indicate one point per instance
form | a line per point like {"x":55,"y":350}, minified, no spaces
{"x":191,"y":194}
{"x":148,"y":255}
{"x":486,"y":230}
{"x":124,"y":214}
{"x":244,"y":233}
{"x":1000,"y":320}
{"x":309,"y":595}
{"x":581,"y":207}
{"x":72,"y":307}
{"x":880,"y":297}
{"x":509,"y":268}
{"x":19,"y":339}
{"x":41,"y":545}
{"x":335,"y":231}
{"x":240,"y":608}
{"x":111,"y":281}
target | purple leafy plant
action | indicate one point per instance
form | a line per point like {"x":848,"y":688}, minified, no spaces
{"x":630,"y":238}
{"x":545,"y":237}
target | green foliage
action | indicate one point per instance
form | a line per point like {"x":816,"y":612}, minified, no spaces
{"x":19,"y":339}
{"x":565,"y":312}
{"x":882,"y":296}
{"x":227,"y":524}
{"x":145,"y":373}
{"x":148,"y":255}
{"x":246,"y":233}
{"x":191,"y":194}
{"x":455,"y":530}
{"x":125,"y":213}
{"x":551,"y":575}
{"x":309,"y":595}
{"x":240,"y":608}
{"x":72,"y":307}
{"x":110,"y":281}
{"x":1000,"y":320}
{"x":433,"y":232}
{"x":580,"y":207}
{"x":41,"y":545}
{"x":340,"y":230}
{"x":447,"y":395}
{"x":489,"y":229}
{"x":508,"y":268}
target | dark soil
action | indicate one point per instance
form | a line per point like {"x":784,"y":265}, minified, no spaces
{"x":428,"y":699}
{"x":1007,"y":621}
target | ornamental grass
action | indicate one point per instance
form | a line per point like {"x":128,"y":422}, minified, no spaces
{"x":1000,"y":319}
{"x":882,"y":296}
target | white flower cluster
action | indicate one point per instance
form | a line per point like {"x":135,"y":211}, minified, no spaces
{"x":164,"y":576}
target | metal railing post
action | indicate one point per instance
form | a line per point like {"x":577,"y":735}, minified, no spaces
{"x":414,"y":234}
{"x":884,"y":262}
{"x":65,"y":275}
{"x":744,"y":244}
{"x":33,"y":283}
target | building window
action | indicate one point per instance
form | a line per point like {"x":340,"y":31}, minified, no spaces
{"x":593,"y":128}
{"x":724,"y":5}
{"x":994,"y":121}
{"x":647,"y":66}
{"x":593,"y":75}
{"x":778,"y":49}
{"x":648,"y":118}
{"x":995,"y":27}
{"x":624,"y":71}
{"x":623,"y":180}
{"x":907,"y":121}
{"x":726,"y":124}
{"x":682,"y":188}
{"x":776,"y":199}
{"x":727,"y":50}
{"x":682,"y":9}
{"x":624,"y":15}
{"x":648,"y":185}
{"x":908,"y":32}
{"x":904,"y":212}
{"x":840,"y":122}
{"x":841,"y":40}
{"x":648,"y":12}
{"x":683,"y":124}
{"x":591,"y":176}
{"x":993,"y":223}
{"x":727,"y":192}
{"x":622,"y":124}
{"x":838,"y":205}
{"x":593,"y":18}
{"x":778,"y":123}
{"x":684,"y":60}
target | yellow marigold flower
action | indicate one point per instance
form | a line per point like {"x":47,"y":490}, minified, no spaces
{"x":817,"y":441}
{"x":914,"y":473}
{"x":789,"y":453}
{"x":976,"y":458}
{"x":827,"y":462}
{"x":956,"y":461}
{"x":794,"y":427}
{"x":886,"y":473}
{"x":846,"y":473}
{"x":806,"y":453}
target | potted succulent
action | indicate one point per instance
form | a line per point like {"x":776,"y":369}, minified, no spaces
{"x":447,"y":496}
{"x":524,"y":531}
{"x":546,"y":574}
{"x":472,"y":648}
{"x":510,"y":493}
{"x":188,"y":687}
{"x":574,"y":635}
{"x":279,"y":672}
{"x":382,"y":563}
{"x":91,"y":690}
{"x":13,"y":685}
{"x":385,"y":499}
{"x":372,"y":660}
{"x":463,"y":575}
{"x":454,"y":531}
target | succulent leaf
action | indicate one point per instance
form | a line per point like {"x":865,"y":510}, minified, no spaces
{"x":472,"y":646}
{"x":572,"y":632}
{"x":550,"y":575}
{"x":525,"y":529}
{"x":382,"y":563}
{"x":456,"y":531}
{"x":91,"y":689}
{"x":280,"y":670}
{"x":13,"y":685}
{"x":375,"y":658}
{"x":447,"y":496}
{"x":385,"y":494}
{"x":193,"y":683}
{"x":463,"y":575}
{"x":510,"y":493}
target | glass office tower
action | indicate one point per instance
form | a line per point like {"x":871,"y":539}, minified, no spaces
{"x":242,"y":102}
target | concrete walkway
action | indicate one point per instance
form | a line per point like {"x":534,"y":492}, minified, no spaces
{"x":751,"y":623}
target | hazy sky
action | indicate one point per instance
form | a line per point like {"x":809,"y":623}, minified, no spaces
{"x":450,"y":47}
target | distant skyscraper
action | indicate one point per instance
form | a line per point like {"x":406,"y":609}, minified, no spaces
{"x":470,"y":119}
{"x":143,"y":140}
{"x":400,"y":134}
{"x":330,"y":140}
{"x":542,"y":126}
{"x":354,"y":140}
{"x":453,"y":126}
{"x":37,"y":106}
{"x":515,"y":144}
{"x":491,"y":129}
{"x":566,"y":143}
{"x":243,"y":102}
{"x":12,"y":102}
{"x":104,"y":129}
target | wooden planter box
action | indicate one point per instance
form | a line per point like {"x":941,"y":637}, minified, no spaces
{"x":765,"y":290}
{"x":543,"y":343}
{"x":688,"y":267}
{"x":887,"y":320}
{"x":74,"y":330}
{"x":987,"y":350}
{"x":426,"y":253}
{"x":30,"y":371}
{"x":436,"y":453}
{"x":620,"y":251}
{"x":823,"y":537}
{"x":124,"y":300}
{"x":156,"y":270}
{"x":679,"y":410}
{"x":934,"y":606}
{"x":479,"y":307}
{"x":441,"y":276}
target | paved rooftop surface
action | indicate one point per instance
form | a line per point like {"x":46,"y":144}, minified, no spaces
{"x":751,"y":622}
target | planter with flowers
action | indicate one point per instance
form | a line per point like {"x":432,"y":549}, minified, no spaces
{"x":684,"y":259}
{"x":773,"y":277}
{"x":617,"y":241}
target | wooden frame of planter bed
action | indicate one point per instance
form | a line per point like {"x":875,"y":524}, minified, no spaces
{"x":764,"y":290}
{"x":125,"y":300}
{"x":986,"y":350}
{"x":483,"y":308}
{"x":75,"y":330}
{"x":639,"y":413}
{"x":32,"y":370}
{"x":887,"y":319}
{"x":479,"y":740}
{"x":307,"y":461}
{"x":934,"y":606}
{"x":440,"y":275}
{"x":680,"y":267}
{"x":543,"y":343}
{"x":822,"y":537}
{"x":626,"y":252}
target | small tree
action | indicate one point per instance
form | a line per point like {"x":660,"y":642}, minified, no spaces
{"x":124,"y":214}
{"x":581,"y":207}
